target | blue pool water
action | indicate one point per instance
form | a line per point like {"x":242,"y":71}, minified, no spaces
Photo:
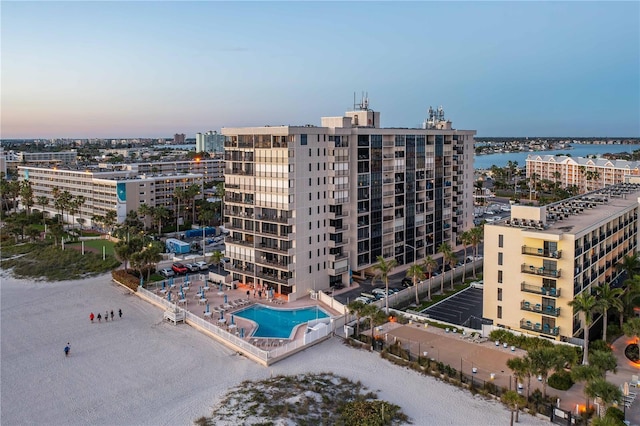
{"x":279,"y":322}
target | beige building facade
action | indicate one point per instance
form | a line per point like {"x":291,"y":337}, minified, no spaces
{"x":103,"y":191}
{"x":587,"y":174}
{"x":537,"y":261}
{"x":307,"y":207}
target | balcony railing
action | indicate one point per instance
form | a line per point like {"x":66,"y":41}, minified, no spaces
{"x":535,"y":289}
{"x":533,"y":251}
{"x":538,"y":327}
{"x":540,"y":308}
{"x":531,"y":269}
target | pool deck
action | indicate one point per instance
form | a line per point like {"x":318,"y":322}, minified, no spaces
{"x":215,"y":298}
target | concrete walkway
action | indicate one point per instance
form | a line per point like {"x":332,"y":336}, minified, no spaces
{"x":488,"y":359}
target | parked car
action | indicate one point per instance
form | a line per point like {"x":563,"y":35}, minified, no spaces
{"x":472,"y":258}
{"x":192,"y":267}
{"x":362,"y":299}
{"x":377,"y":291}
{"x":179,"y":268}
{"x":167,"y":272}
{"x":407,"y":282}
{"x":202,"y":266}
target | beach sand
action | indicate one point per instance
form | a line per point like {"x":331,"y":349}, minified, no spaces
{"x":139,"y":370}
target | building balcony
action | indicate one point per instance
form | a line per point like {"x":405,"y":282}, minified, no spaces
{"x":273,"y":277}
{"x":339,"y":256}
{"x":276,"y":219}
{"x":531,"y":269}
{"x":534,"y":289}
{"x":334,"y":244}
{"x":540,"y":308}
{"x":231,"y":240}
{"x":275,"y":263}
{"x":539,"y":328}
{"x":533,"y":251}
{"x":270,"y":248}
{"x":343,"y":227}
{"x":341,"y":214}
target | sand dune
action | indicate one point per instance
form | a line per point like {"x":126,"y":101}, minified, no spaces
{"x":140,"y":371}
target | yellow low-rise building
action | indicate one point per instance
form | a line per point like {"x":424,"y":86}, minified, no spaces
{"x":539,"y":259}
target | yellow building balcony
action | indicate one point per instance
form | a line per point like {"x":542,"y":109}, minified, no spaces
{"x":539,"y":270}
{"x":533,"y":251}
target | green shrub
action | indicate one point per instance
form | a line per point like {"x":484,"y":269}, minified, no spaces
{"x":599,"y":345}
{"x":560,"y":380}
{"x":615,"y":413}
{"x":126,"y":279}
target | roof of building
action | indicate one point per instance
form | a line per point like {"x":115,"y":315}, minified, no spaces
{"x":576,"y":214}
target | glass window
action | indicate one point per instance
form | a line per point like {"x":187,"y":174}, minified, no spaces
{"x":500,"y":312}
{"x":500,"y":277}
{"x":303,"y":139}
{"x":500,"y":241}
{"x":499,"y":294}
{"x":500,"y":258}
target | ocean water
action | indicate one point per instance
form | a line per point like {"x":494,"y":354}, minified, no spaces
{"x":579,"y":150}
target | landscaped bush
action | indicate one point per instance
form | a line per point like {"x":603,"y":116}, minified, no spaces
{"x":519,"y":341}
{"x":599,"y":345}
{"x":615,"y":413}
{"x":560,"y":380}
{"x":125,"y":278}
{"x":631,"y":352}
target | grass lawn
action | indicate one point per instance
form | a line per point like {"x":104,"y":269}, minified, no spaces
{"x":95,"y":245}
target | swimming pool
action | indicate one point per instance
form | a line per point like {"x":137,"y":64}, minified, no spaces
{"x":279,"y":323}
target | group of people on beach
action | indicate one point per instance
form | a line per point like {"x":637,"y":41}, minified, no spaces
{"x":106,"y":316}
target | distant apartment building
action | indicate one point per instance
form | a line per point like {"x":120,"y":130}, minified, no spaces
{"x":179,"y":138}
{"x":212,"y":169}
{"x":309,"y":206}
{"x":586,"y":174}
{"x":211,"y":141}
{"x":117,"y":190}
{"x":540,"y":259}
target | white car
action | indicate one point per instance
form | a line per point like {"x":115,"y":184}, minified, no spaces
{"x":203,"y":266}
{"x":167,"y":272}
{"x":192,"y":267}
{"x":362,"y":299}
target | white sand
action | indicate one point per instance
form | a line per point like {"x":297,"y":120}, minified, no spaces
{"x":138,"y":370}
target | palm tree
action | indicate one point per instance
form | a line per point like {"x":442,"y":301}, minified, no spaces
{"x":26,"y":195}
{"x":152,"y":255}
{"x":384,"y":269}
{"x":216,"y":258}
{"x":465,"y":239}
{"x":521,"y":368}
{"x":477,"y":235}
{"x":220,"y":193}
{"x":631,"y":291}
{"x":44,"y":202}
{"x":584,"y":373}
{"x":451,"y":259}
{"x":179,"y":194}
{"x":159,"y":214}
{"x":443,"y":248}
{"x":543,"y":361}
{"x":191,"y":192}
{"x":630,"y":264}
{"x":607,"y":298}
{"x":513,"y":401}
{"x":110,"y":219}
{"x":607,"y":392}
{"x":430,"y":265}
{"x":356,"y":308}
{"x":416,"y":273}
{"x":631,"y":328}
{"x":584,"y":304}
{"x":534,"y":179}
{"x":145,"y":211}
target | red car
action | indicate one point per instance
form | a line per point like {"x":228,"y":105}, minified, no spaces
{"x":179,"y":268}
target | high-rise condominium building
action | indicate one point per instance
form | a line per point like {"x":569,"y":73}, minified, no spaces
{"x":540,"y":259}
{"x":586,"y":174}
{"x":211,"y":141}
{"x":308,"y":206}
{"x":178,"y":138}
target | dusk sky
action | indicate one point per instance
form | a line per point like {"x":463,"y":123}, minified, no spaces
{"x":152,"y":69}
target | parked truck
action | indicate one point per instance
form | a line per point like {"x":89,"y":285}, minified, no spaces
{"x":194,"y":233}
{"x":176,"y":246}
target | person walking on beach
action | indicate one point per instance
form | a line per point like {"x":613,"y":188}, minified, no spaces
{"x":112,"y":315}
{"x":91,"y":316}
{"x":99,"y":317}
{"x":106,"y":316}
{"x":120,"y":313}
{"x":67,"y":349}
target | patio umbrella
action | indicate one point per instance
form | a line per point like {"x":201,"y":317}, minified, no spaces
{"x":225,"y":298}
{"x":232,"y":320}
{"x":186,"y":278}
{"x":221,"y":314}
{"x":170,"y":281}
{"x":163,"y":285}
{"x":141,"y":280}
{"x":169,"y":296}
{"x":220,"y":286}
{"x":180,"y":288}
{"x":242,"y":333}
{"x":181,"y":294}
{"x":207,"y":311}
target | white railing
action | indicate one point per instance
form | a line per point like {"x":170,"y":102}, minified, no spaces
{"x":276,"y":348}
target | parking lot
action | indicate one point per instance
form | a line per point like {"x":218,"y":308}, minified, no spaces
{"x":463,"y":308}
